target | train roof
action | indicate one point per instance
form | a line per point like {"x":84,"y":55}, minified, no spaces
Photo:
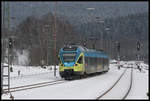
{"x":87,"y":52}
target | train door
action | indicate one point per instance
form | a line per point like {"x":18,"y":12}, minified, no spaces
{"x":87,"y":65}
{"x":80,"y":63}
{"x":105,"y":64}
{"x":101,"y":65}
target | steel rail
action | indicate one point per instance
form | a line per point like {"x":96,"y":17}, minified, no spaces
{"x":20,"y":88}
{"x":131,"y":80}
{"x":13,"y":88}
{"x":112,"y":85}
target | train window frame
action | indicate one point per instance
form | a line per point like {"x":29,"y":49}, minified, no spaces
{"x":59,"y":60}
{"x":93,"y":62}
{"x":64,"y":55}
{"x":80,"y":60}
{"x":70,"y":48}
{"x":96,"y":59}
{"x":90,"y":61}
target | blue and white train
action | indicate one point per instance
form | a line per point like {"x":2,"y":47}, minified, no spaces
{"x":79,"y":61}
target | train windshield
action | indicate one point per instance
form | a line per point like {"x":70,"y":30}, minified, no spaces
{"x":69,"y":57}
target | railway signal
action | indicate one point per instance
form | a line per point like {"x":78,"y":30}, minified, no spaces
{"x":84,"y":43}
{"x":138,"y":46}
{"x":10,"y":43}
{"x":138,"y":55}
{"x":118,"y":51}
{"x":118,"y":46}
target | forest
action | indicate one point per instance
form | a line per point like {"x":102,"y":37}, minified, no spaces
{"x":36,"y":37}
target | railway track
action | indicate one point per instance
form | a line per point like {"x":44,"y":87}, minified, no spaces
{"x":131,"y":80}
{"x":37,"y":85}
{"x":26,"y":87}
{"x":108,"y":91}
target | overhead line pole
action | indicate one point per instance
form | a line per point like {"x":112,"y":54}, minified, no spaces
{"x":55,"y":38}
{"x":2,"y":49}
{"x":9,"y":54}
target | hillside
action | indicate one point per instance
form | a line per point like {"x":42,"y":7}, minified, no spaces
{"x":126,"y":29}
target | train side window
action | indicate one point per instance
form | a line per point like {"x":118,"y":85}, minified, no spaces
{"x":86,"y":59}
{"x":100,"y":60}
{"x":96,"y":60}
{"x":89,"y":61}
{"x":105,"y":61}
{"x":92,"y":61}
{"x":80,"y":61}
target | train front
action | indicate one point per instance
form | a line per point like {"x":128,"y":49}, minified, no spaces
{"x":71,"y":62}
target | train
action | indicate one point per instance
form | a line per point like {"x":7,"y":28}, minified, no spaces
{"x":79,"y":61}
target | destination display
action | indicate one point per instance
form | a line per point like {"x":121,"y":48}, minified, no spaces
{"x":71,"y":48}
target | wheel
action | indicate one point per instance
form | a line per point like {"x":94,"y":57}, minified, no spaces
{"x":81,"y":76}
{"x":66,"y":78}
{"x":84,"y":75}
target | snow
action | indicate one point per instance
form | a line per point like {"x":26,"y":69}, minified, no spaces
{"x":113,"y":61}
{"x":120,"y":89}
{"x":23,"y":59}
{"x":88,"y":88}
{"x":140,"y":85}
{"x":32,"y":74}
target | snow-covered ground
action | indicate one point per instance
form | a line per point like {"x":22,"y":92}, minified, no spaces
{"x":31,"y":75}
{"x":89,"y":88}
